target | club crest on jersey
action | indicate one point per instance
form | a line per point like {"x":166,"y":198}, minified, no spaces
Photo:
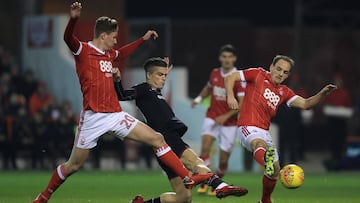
{"x":272,"y":98}
{"x":106,"y":67}
{"x":219,"y":93}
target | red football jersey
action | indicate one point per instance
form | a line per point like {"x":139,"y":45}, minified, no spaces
{"x":95,"y":72}
{"x":218,"y":104}
{"x":262,"y":98}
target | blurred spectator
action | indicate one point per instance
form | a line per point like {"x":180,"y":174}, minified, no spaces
{"x":68,"y":111}
{"x":28,"y":84}
{"x":39,"y":128}
{"x":337,"y":109}
{"x":40,"y":99}
{"x":15,"y":107}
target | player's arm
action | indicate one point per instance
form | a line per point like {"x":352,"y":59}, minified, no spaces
{"x":122,"y":94}
{"x":128,"y":49}
{"x":229,"y":86}
{"x":310,"y":102}
{"x":232,"y":112}
{"x":226,"y":116}
{"x":205,"y":92}
{"x":72,"y":42}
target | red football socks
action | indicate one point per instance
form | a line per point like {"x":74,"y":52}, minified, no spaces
{"x":268,"y":188}
{"x":168,"y":157}
{"x":56,"y":180}
{"x":259,"y":154}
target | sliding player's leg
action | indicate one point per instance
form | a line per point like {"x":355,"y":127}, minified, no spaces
{"x":197,"y":165}
{"x":180,"y":194}
{"x":143,"y":133}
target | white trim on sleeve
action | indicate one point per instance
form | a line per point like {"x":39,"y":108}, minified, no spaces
{"x":241,"y":94}
{"x":288,"y":103}
{"x":242,"y":76}
{"x":79,"y":50}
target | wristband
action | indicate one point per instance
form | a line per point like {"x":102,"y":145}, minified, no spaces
{"x":198,"y":99}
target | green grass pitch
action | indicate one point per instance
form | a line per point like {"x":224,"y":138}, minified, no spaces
{"x":120,"y":187}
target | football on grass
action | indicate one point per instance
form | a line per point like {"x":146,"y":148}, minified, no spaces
{"x":292,"y":176}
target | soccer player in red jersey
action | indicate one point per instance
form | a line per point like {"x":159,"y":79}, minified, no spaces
{"x":101,"y":109}
{"x":264,"y":93}
{"x":220,"y":120}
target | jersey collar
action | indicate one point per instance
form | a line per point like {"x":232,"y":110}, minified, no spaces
{"x":94,"y":47}
{"x":227,"y":74}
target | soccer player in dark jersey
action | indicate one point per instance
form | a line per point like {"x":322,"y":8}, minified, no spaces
{"x":263,"y":95}
{"x":160,"y":116}
{"x":101,"y":109}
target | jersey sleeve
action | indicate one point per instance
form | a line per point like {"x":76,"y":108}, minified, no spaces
{"x":128,"y":49}
{"x":249,"y":75}
{"x":239,"y":88}
{"x":71,"y":41}
{"x":290,"y":97}
{"x":122,"y":94}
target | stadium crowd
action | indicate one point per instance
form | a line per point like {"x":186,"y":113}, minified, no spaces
{"x":33,"y":123}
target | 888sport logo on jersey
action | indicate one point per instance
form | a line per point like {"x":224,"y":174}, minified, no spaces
{"x":106,"y":67}
{"x":272,"y":98}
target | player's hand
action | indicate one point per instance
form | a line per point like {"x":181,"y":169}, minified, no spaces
{"x":149,"y":34}
{"x":167,"y":61}
{"x":221,"y":119}
{"x":194,"y":103}
{"x":116,"y":74}
{"x":75,"y":9}
{"x":232,"y":103}
{"x":328,"y":89}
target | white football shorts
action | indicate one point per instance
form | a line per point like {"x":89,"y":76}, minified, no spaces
{"x":226,"y":135}
{"x":248,"y":133}
{"x":92,"y":125}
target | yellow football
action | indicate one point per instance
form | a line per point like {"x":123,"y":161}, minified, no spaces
{"x":292,"y":176}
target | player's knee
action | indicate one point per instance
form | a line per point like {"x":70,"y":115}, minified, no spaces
{"x":73,"y":167}
{"x":157,"y":140}
{"x":258,"y":144}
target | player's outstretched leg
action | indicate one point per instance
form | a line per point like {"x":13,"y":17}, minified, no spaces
{"x":76,"y":160}
{"x":269,"y":161}
{"x":143,"y":133}
{"x":58,"y":177}
{"x":222,"y":189}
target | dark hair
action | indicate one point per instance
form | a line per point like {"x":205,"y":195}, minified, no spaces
{"x":227,"y":48}
{"x":285,"y":58}
{"x":153,"y":62}
{"x":105,"y":24}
